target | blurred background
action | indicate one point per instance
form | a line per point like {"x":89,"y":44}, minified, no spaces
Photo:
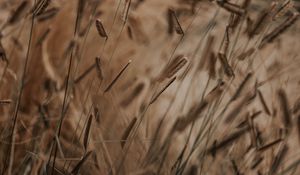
{"x":149,"y":87}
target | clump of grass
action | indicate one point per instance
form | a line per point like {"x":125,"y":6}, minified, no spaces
{"x":199,"y":91}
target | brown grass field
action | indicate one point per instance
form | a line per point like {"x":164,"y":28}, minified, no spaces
{"x":146,"y":87}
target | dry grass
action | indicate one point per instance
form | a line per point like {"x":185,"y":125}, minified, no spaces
{"x":149,"y":87}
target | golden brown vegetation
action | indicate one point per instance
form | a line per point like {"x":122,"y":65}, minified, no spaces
{"x":149,"y":87}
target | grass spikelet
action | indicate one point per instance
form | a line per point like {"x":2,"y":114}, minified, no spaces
{"x":233,"y":8}
{"x":155,"y":97}
{"x":216,"y":92}
{"x":137,"y":30}
{"x":176,"y":67}
{"x":171,"y":69}
{"x":238,"y":108}
{"x":17,"y":43}
{"x":228,"y":140}
{"x":227,"y":68}
{"x":40,"y":7}
{"x":298,"y":128}
{"x":72,"y":45}
{"x":278,"y":159}
{"x":270,"y":145}
{"x":97,"y":114}
{"x":279,"y":30}
{"x":241,"y":86}
{"x":286,"y":116}
{"x":236,"y":19}
{"x":3,"y":53}
{"x":43,"y":114}
{"x":259,"y":24}
{"x":80,"y":12}
{"x":129,"y":32}
{"x":134,"y":94}
{"x":84,"y":74}
{"x":235,"y":167}
{"x":249,"y":24}
{"x":43,"y":36}
{"x":16,"y":16}
{"x":126,"y":11}
{"x":259,"y":139}
{"x":48,"y":14}
{"x":263,"y":102}
{"x":244,"y":122}
{"x":127,"y":131}
{"x":296,"y":106}
{"x":246,"y":4}
{"x":183,"y":122}
{"x":256,"y":162}
{"x":283,"y":9}
{"x":175,"y":23}
{"x":252,"y":132}
{"x":246,"y":54}
{"x":87,"y":132}
{"x":212,"y":65}
{"x":207,"y":51}
{"x":226,"y":42}
{"x":117,"y":77}
{"x":78,"y":166}
{"x":99,"y":68}
{"x":170,"y":21}
{"x":100,"y":29}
